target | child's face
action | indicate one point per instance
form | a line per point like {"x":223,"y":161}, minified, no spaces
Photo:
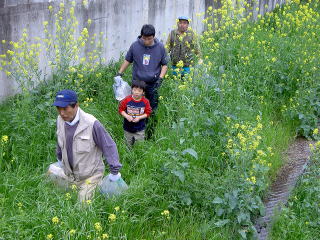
{"x":137,"y":93}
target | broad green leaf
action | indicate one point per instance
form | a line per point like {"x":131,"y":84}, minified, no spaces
{"x":243,"y":234}
{"x":179,"y":174}
{"x":191,"y":151}
{"x":217,"y":200}
{"x":221,"y":222}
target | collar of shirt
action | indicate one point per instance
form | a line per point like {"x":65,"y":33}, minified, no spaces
{"x":75,"y":120}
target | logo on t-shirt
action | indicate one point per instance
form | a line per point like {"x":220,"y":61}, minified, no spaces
{"x":135,"y":111}
{"x":146,"y":59}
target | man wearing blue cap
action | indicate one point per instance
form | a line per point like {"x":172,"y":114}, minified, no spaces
{"x":82,"y":140}
{"x":182,"y":46}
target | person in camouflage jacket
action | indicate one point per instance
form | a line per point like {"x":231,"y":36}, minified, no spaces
{"x":182,"y":46}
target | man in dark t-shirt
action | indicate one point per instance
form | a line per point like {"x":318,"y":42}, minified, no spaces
{"x":149,"y":59}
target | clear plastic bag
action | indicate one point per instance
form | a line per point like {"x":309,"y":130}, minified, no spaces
{"x":121,"y":88}
{"x":56,"y":169}
{"x":109,"y":188}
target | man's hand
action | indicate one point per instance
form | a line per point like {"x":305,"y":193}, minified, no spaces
{"x":114,"y":178}
{"x":119,"y":74}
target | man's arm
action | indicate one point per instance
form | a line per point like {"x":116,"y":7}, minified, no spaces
{"x":108,"y":147}
{"x":124,"y":66}
{"x":163,"y":72}
{"x":127,"y":60}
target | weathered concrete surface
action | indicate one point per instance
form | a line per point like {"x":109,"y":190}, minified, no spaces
{"x":120,"y":20}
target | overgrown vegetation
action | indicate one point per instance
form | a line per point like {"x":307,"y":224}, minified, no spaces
{"x":216,"y":147}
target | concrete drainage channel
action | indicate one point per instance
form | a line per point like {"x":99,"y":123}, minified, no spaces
{"x":298,"y":156}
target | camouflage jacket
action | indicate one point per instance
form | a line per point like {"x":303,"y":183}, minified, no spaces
{"x":182,"y":47}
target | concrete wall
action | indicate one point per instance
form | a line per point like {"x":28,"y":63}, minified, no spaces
{"x":120,"y":20}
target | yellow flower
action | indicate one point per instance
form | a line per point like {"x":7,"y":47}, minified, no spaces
{"x":68,"y":196}
{"x":55,"y":220}
{"x":311,"y":146}
{"x":315,"y":131}
{"x":74,"y":187}
{"x":88,"y":202}
{"x":85,"y":3}
{"x":89,"y":21}
{"x":72,"y":231}
{"x":97,"y":226}
{"x":181,"y":87}
{"x":3,"y":41}
{"x":180,"y":64}
{"x":88,"y":182}
{"x":10,"y":52}
{"x":253,"y":179}
{"x":50,"y":8}
{"x":50,"y":236}
{"x":105,"y":236}
{"x":4,"y":139}
{"x":210,"y":8}
{"x":165,"y":213}
{"x":117,"y":208}
{"x":112,"y":217}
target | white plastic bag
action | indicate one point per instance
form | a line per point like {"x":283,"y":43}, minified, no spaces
{"x":57,"y":175}
{"x":109,"y":188}
{"x":56,"y":169}
{"x":121,"y":88}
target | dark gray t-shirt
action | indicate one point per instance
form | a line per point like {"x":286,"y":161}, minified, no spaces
{"x":101,"y":138}
{"x":147,"y":60}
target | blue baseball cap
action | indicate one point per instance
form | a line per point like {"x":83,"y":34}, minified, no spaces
{"x":65,"y":97}
{"x":183,"y":18}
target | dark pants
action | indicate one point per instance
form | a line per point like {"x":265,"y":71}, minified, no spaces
{"x":152,"y":95}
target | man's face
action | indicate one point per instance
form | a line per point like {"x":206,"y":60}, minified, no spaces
{"x":148,"y":40}
{"x":137,"y":93}
{"x":68,"y":113}
{"x":183,"y":25}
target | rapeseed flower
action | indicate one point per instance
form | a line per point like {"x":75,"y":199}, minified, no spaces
{"x":68,"y":196}
{"x":97,"y":226}
{"x":55,"y":220}
{"x":50,"y":236}
{"x":4,"y":139}
{"x":105,"y":236}
{"x":315,"y":131}
{"x":166,"y":214}
{"x":112,"y":217}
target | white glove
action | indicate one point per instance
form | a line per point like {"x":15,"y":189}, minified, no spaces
{"x":114,"y":178}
